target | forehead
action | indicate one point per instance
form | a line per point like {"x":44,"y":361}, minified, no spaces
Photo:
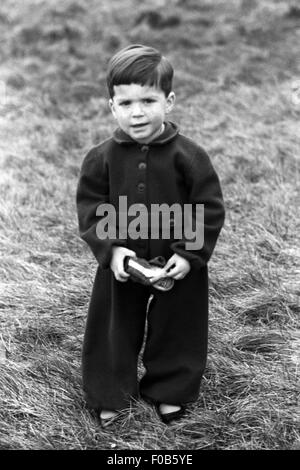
{"x":135,"y":91}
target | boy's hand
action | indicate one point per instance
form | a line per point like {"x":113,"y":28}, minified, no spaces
{"x":177,"y":267}
{"x":117,"y":262}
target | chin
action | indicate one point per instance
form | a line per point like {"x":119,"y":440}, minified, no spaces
{"x":141,"y":136}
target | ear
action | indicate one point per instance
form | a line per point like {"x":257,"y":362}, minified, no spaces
{"x":112,"y":107}
{"x":170,"y":102}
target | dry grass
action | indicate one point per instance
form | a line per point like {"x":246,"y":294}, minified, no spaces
{"x":236,"y":62}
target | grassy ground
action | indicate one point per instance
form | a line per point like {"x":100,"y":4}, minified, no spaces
{"x":236,"y":68}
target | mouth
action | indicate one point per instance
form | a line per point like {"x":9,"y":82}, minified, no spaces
{"x":139,"y":126}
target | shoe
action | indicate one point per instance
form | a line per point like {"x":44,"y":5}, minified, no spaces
{"x":141,"y":271}
{"x":104,"y":422}
{"x":167,"y":418}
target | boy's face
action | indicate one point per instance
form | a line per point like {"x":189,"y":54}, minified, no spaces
{"x":141,"y":110}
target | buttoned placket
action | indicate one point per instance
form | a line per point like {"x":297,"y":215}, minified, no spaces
{"x":142,"y":186}
{"x":142,"y":167}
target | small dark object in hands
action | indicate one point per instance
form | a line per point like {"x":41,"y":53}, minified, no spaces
{"x":142,"y":271}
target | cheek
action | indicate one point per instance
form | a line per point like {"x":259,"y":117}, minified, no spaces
{"x":119,"y":114}
{"x":159,"y":115}
{"x":160,"y":111}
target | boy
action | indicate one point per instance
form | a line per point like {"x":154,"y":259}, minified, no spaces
{"x":150,"y":162}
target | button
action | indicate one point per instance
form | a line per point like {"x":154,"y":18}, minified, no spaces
{"x":141,"y":187}
{"x":142,"y":166}
{"x":144,"y":148}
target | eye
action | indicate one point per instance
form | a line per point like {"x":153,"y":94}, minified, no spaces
{"x":148,"y":100}
{"x":125,"y":103}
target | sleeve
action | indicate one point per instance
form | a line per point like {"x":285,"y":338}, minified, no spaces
{"x":204,"y":189}
{"x":92,"y":191}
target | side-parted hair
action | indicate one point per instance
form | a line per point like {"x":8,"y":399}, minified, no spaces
{"x":141,"y":65}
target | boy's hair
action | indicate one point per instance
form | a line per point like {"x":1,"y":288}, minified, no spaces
{"x":141,"y":65}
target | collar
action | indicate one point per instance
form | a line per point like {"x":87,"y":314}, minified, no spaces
{"x":169,"y":133}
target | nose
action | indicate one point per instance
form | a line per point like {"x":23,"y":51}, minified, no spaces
{"x":137,"y":110}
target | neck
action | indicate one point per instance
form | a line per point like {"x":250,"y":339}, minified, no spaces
{"x":162,"y":128}
{"x":157,"y":135}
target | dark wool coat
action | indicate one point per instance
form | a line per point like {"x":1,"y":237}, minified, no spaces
{"x":171,"y":169}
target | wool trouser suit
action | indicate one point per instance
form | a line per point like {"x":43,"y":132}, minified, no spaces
{"x":174,"y":170}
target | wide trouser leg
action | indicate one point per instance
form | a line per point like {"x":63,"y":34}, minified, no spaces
{"x":112,"y":342}
{"x":176,"y":345}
